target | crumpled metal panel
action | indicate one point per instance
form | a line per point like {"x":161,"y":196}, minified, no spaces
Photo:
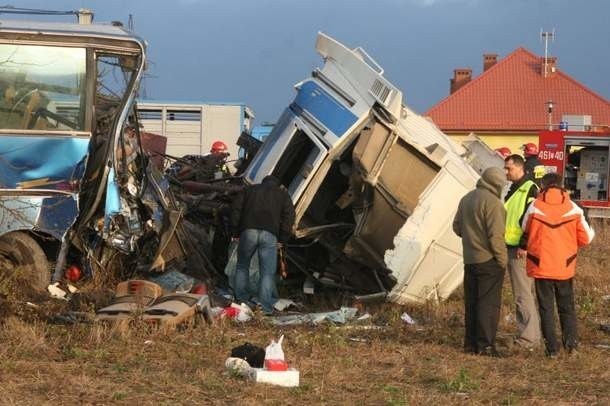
{"x":50,"y":214}
{"x":35,"y":162}
{"x":32,"y":169}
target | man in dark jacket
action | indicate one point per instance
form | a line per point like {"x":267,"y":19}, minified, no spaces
{"x":262,"y":218}
{"x":480,"y":222}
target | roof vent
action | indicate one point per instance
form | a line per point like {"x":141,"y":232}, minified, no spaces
{"x":380,"y":91}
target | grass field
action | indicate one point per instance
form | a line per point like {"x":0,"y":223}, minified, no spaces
{"x":389,"y":364}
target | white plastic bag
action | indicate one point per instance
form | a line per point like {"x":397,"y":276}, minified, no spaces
{"x":274,"y":350}
{"x":274,"y":356}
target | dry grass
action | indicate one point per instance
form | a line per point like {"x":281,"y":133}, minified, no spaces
{"x":44,"y":363}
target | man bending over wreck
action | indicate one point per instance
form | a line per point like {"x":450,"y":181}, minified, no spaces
{"x":262,"y":218}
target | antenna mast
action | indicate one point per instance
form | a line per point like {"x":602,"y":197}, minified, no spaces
{"x":546,"y":36}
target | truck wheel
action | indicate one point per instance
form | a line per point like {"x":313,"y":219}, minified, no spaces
{"x":24,"y":265}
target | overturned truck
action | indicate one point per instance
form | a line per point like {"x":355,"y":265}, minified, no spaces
{"x":76,"y":188}
{"x":375,"y":185}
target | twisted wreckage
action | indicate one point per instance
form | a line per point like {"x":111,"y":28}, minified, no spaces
{"x":375,"y":185}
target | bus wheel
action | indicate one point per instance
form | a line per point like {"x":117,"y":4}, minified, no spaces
{"x":24,"y":269}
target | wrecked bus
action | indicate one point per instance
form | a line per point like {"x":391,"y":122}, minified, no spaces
{"x":375,"y":185}
{"x":76,"y":188}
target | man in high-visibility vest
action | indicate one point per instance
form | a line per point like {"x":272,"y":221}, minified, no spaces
{"x":521,"y":193}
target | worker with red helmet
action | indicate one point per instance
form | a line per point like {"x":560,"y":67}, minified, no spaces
{"x":219,"y":152}
{"x":504,"y":152}
{"x":534,"y":169}
{"x":219,"y":147}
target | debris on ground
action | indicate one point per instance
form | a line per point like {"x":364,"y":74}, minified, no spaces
{"x":341,"y":316}
{"x":253,"y":354}
{"x":246,"y":361}
{"x":407,"y":319}
{"x":145,"y":299}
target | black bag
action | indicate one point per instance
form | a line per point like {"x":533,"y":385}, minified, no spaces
{"x":255,"y":356}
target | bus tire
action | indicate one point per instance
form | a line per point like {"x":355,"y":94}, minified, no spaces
{"x":28,"y":261}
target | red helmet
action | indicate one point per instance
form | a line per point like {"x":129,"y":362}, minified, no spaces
{"x":504,"y":152}
{"x":530,"y":149}
{"x":218,"y":147}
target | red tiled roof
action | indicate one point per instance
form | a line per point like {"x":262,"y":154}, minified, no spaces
{"x":512,"y":95}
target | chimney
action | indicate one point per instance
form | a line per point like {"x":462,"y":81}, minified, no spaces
{"x":489,"y":60}
{"x":548,"y":68}
{"x":84,"y":16}
{"x":461,"y":76}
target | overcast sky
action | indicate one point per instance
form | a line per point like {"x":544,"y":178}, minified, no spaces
{"x":254,"y":51}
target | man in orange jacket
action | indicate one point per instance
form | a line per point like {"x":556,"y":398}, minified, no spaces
{"x":555,"y":227}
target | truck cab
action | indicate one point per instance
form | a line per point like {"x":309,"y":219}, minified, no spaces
{"x":581,"y":157}
{"x":375,"y":185}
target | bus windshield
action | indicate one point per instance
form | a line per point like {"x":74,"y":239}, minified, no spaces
{"x":42,"y":87}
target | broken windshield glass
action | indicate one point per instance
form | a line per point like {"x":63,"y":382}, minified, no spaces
{"x":42,"y":87}
{"x":114,"y":73}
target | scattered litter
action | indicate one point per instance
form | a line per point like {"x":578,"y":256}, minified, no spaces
{"x":366,"y":328}
{"x":172,"y":309}
{"x":57,"y":292}
{"x":71,"y":317}
{"x":130,"y":297}
{"x":358,"y":340}
{"x":30,"y":304}
{"x":276,"y":371}
{"x":252,"y":354}
{"x":288,"y":378}
{"x":247,"y":361}
{"x":340,"y":316}
{"x":217,"y":311}
{"x":407,"y":319}
{"x":602,"y":346}
{"x":148,"y":342}
{"x":174,"y":281}
{"x":274,"y":356}
{"x":239,"y":312}
{"x":365,"y":316}
{"x":283,"y":304}
{"x":239,"y":367}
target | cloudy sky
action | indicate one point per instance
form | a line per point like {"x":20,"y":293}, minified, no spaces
{"x":254,"y":51}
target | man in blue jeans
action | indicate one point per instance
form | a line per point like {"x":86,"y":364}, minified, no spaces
{"x":262,"y":218}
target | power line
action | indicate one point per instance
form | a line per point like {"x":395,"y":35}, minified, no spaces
{"x":33,"y":11}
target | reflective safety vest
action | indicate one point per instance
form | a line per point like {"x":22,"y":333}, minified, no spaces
{"x":515,"y":207}
{"x":539,"y":172}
